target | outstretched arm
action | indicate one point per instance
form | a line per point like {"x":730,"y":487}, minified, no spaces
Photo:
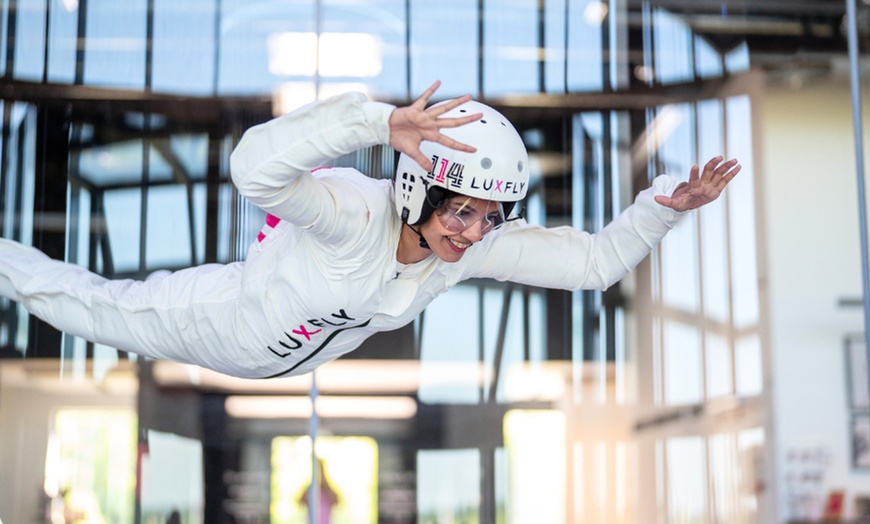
{"x":567,"y":258}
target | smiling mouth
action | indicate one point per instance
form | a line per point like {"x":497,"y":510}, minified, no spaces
{"x":458,"y":246}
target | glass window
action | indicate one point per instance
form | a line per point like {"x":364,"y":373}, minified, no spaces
{"x":708,"y":61}
{"x":444,"y":43}
{"x":171,"y":479}
{"x":184,"y":58}
{"x":115,"y":43}
{"x":555,"y":45}
{"x":450,"y":365}
{"x":347,"y":479}
{"x":448,"y":485}
{"x":91,"y":463}
{"x":748,"y":366}
{"x":62,"y":40}
{"x":169,"y":233}
{"x":687,"y":497}
{"x":574,"y":371}
{"x":680,"y":267}
{"x":30,"y":59}
{"x":741,"y":214}
{"x":123,"y":217}
{"x":511,"y":48}
{"x":719,"y":366}
{"x":682,"y":364}
{"x":672,"y":44}
{"x":585,"y":60}
{"x":536,"y":458}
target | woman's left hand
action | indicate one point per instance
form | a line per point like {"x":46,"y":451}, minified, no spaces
{"x":702,"y":188}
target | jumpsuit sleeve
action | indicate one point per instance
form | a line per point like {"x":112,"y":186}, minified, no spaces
{"x":567,"y":258}
{"x":272,"y":164}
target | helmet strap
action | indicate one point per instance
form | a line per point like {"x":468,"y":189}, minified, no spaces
{"x":423,"y":243}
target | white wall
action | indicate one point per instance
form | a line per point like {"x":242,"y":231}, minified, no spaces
{"x":810,"y":213}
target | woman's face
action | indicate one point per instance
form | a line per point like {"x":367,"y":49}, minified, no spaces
{"x":458,"y":223}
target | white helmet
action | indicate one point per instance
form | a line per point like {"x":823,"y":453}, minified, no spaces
{"x":497,"y":171}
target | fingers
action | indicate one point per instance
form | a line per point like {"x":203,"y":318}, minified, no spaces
{"x":710,"y":167}
{"x":727,"y":177}
{"x":440,"y":109}
{"x":720,"y":173}
{"x":723,"y":168}
{"x":421,"y":159}
{"x":423,"y":100}
{"x":453,"y":144}
{"x":456,"y":122}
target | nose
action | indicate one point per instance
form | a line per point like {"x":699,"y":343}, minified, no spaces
{"x":474,"y":232}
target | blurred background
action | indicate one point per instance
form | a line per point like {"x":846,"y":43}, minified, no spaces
{"x":724,"y":381}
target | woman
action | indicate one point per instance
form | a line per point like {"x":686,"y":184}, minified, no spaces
{"x":343,"y":256}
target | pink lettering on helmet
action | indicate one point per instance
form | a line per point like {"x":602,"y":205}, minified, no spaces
{"x":441,"y":177}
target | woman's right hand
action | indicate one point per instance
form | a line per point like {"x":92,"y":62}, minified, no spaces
{"x":411,"y":125}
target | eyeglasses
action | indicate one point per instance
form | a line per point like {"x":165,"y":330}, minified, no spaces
{"x":460,"y":213}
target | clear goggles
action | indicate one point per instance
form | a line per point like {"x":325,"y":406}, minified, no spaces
{"x":461,"y":212}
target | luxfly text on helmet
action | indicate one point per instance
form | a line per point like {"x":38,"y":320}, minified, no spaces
{"x":497,"y":171}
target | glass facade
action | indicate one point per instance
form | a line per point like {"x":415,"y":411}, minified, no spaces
{"x":648,"y":402}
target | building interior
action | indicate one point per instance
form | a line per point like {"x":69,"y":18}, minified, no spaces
{"x":723,"y":381}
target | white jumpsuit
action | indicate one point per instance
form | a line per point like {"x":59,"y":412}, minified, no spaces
{"x":323,"y":274}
